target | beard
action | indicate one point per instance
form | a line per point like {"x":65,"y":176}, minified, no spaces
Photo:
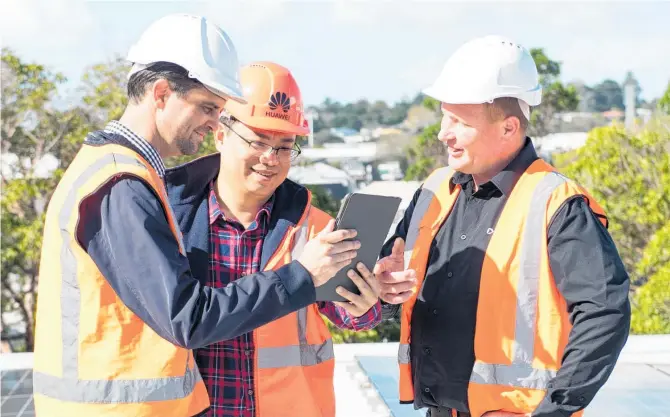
{"x":187,"y":146}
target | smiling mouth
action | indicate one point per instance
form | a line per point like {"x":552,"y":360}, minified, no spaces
{"x":265,"y":174}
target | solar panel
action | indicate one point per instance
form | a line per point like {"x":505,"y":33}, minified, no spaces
{"x":17,"y":393}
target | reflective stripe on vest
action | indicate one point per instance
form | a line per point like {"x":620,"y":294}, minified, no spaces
{"x":302,"y":354}
{"x":69,"y":387}
{"x":521,"y":372}
{"x":428,"y":192}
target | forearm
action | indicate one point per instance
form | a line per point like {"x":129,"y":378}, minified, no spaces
{"x":128,"y":237}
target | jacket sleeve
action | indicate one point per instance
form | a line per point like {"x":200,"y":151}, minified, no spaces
{"x":123,"y":227}
{"x":392,"y":311}
{"x":591,"y":277}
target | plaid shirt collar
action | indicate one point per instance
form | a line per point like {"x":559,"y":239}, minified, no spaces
{"x":215,"y":210}
{"x":148,"y":152}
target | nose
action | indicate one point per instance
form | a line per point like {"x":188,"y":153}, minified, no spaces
{"x":269,"y":157}
{"x":446,"y":131}
{"x":214,"y":120}
{"x":445,"y":135}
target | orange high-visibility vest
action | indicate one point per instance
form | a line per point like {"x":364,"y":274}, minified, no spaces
{"x":294,"y":359}
{"x":522,"y":324}
{"x":94,"y":356}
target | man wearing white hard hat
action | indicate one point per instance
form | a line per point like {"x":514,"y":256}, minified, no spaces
{"x":512,"y":297}
{"x":119,"y":309}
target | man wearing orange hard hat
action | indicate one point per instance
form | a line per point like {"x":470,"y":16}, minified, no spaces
{"x":240,"y":215}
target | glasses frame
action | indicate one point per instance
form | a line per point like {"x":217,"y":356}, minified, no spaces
{"x":295,"y":151}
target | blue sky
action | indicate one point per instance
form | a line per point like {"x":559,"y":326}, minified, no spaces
{"x":348,"y":50}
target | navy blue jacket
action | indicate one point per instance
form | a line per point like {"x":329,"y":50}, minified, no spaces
{"x":123,"y":227}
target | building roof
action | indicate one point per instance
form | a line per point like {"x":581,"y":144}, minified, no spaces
{"x":366,"y":381}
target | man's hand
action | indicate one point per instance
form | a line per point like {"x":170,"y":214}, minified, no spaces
{"x":504,"y":414}
{"x":368,"y":288}
{"x":395,"y":284}
{"x":328,"y":252}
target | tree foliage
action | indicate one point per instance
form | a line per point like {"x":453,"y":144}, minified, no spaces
{"x":651,"y":303}
{"x":556,"y":97}
{"x":629,"y":175}
{"x":664,"y":102}
{"x":333,"y":114}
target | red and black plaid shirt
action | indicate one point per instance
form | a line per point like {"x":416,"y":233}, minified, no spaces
{"x":227,"y":367}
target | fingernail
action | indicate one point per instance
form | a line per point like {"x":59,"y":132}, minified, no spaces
{"x":338,"y":290}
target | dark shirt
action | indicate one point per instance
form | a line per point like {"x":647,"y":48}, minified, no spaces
{"x":588,"y":273}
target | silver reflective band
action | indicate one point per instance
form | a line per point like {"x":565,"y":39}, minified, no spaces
{"x":403,"y":354}
{"x":515,"y":375}
{"x":520,"y":372}
{"x":69,"y":387}
{"x":117,"y":390}
{"x":302,"y":354}
{"x":296,"y":355}
{"x":428,"y":193}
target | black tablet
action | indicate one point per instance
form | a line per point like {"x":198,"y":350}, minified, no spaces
{"x":371,"y":216}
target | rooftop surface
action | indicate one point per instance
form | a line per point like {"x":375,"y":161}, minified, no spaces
{"x":366,"y":378}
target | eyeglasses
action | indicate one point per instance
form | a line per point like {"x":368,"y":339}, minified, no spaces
{"x":261,"y":148}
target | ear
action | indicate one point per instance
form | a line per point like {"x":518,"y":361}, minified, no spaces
{"x":511,"y":126}
{"x":160,"y":93}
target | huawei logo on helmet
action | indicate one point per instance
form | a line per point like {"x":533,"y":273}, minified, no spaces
{"x":280,"y":100}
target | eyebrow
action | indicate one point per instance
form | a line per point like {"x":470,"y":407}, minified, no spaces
{"x":266,"y":137}
{"x":211,"y":104}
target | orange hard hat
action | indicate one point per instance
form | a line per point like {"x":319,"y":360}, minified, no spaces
{"x":273,"y":99}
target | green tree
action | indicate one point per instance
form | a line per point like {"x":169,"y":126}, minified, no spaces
{"x":556,"y":97}
{"x":608,"y":95}
{"x":33,"y":136}
{"x":651,"y":303}
{"x":664,"y":102}
{"x":629,"y":174}
{"x":428,"y":152}
{"x":323,"y":200}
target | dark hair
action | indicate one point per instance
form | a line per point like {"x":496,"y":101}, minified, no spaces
{"x":176,"y":76}
{"x":504,"y":107}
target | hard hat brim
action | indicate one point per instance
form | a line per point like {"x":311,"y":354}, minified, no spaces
{"x":532,"y":98}
{"x":226,"y":93}
{"x":272,"y":124}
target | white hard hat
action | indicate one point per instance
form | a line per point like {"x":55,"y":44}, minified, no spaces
{"x":196,"y":44}
{"x":487,"y":68}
